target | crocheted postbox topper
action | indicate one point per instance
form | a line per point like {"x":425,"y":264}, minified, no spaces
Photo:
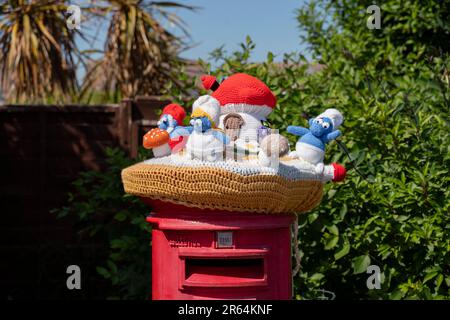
{"x":202,"y":173}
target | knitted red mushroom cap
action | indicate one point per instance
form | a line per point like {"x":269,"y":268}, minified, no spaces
{"x":242,"y":93}
{"x":176,"y":111}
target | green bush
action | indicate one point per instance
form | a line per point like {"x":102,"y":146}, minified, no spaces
{"x":393,"y":87}
{"x":104,"y":211}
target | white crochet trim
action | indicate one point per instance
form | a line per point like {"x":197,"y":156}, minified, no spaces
{"x":291,"y":170}
{"x":259,"y":112}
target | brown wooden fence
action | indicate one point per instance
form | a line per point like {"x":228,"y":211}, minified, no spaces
{"x":42,"y":150}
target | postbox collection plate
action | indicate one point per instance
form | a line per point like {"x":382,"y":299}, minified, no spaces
{"x":224,"y":239}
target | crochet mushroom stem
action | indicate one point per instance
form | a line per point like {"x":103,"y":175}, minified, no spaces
{"x":157,"y":140}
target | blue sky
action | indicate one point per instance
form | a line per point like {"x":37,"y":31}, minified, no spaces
{"x":270,"y":23}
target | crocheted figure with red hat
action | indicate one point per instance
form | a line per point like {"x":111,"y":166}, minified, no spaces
{"x":245,"y":102}
{"x":171,"y":118}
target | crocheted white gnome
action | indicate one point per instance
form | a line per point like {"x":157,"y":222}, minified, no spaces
{"x":206,"y":142}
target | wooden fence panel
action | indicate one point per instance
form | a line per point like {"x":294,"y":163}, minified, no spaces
{"x":42,"y":150}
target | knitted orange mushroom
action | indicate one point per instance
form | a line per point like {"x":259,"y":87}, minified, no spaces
{"x":158,"y":140}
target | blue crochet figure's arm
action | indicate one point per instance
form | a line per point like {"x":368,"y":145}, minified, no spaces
{"x":298,"y":131}
{"x":219,"y":135}
{"x":181,"y":131}
{"x":332,"y":136}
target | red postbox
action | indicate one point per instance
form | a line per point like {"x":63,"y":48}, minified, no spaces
{"x":212,"y":254}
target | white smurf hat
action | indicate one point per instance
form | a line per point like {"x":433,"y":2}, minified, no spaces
{"x":335,"y":115}
{"x":207,"y":106}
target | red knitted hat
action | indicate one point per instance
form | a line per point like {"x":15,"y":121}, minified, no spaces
{"x":242,"y":93}
{"x":209,"y":82}
{"x":176,"y":111}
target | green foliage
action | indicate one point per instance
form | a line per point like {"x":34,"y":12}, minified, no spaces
{"x":393,"y":86}
{"x":104,"y":211}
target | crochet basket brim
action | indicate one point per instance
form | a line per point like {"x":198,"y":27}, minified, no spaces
{"x":214,"y":188}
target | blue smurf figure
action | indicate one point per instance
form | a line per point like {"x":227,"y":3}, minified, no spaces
{"x":311,"y":144}
{"x":206,"y":141}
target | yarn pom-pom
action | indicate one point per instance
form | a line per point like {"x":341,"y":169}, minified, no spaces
{"x":339,"y":172}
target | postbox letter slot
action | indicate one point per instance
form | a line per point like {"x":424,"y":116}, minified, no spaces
{"x":225,"y":272}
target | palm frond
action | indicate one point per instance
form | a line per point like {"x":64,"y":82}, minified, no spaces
{"x":37,"y":51}
{"x":139,"y":52}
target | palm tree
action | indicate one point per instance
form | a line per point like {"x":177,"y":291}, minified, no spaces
{"x":139,"y":54}
{"x":37,"y":51}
